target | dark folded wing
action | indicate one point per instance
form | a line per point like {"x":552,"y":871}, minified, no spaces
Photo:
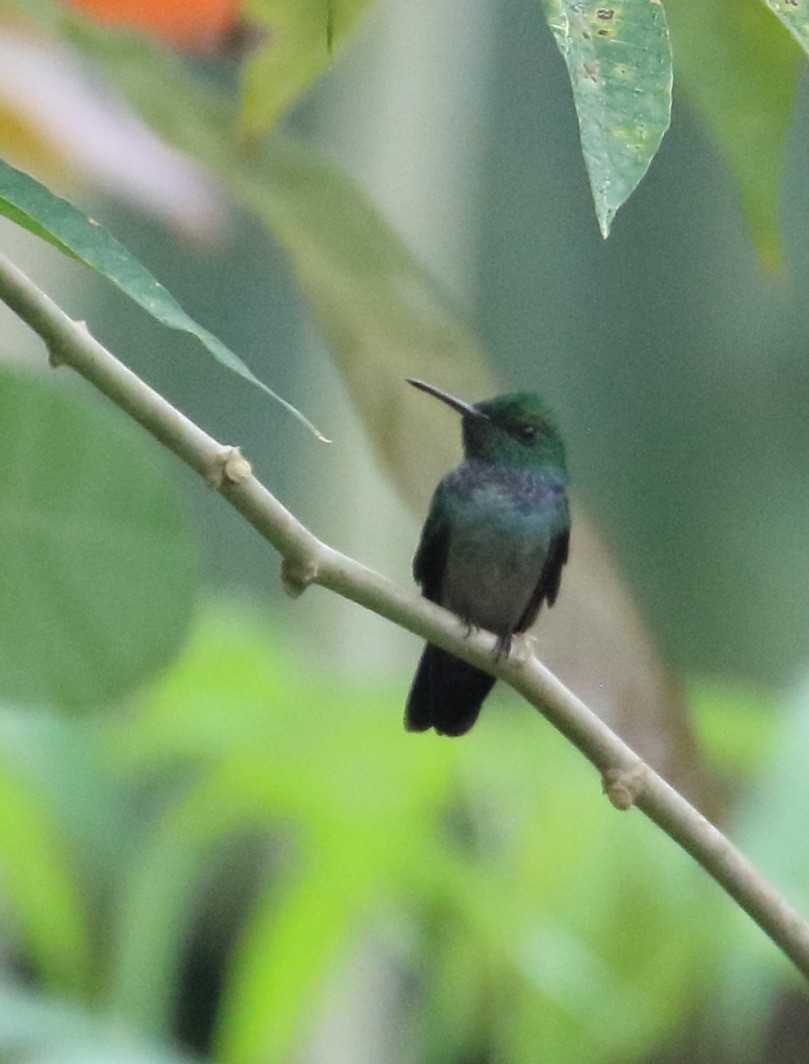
{"x":431,"y":554}
{"x":549,"y":579}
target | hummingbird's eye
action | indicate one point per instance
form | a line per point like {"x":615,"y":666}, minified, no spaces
{"x":527,"y":433}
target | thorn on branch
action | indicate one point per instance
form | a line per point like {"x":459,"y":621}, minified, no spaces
{"x":623,"y":786}
{"x":297,"y":575}
{"x":229,"y":466}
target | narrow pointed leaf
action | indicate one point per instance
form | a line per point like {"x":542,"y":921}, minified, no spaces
{"x":619,"y":61}
{"x":34,"y":207}
{"x":39,"y":884}
{"x":302,"y":38}
{"x":794,"y":16}
{"x":289,"y":944}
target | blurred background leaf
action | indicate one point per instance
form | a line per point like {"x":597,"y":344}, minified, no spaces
{"x":790,"y":14}
{"x":738,"y":69}
{"x":40,"y":886}
{"x":300,"y":39}
{"x":99,"y":563}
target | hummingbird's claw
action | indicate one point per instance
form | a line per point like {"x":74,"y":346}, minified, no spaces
{"x":502,"y":647}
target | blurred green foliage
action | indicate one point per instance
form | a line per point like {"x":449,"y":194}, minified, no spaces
{"x":512,"y":910}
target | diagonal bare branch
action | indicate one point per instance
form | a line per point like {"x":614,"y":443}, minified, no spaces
{"x":627,"y":780}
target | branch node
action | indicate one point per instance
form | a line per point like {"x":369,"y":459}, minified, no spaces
{"x":623,"y":786}
{"x":297,"y":575}
{"x":523,"y":649}
{"x":229,"y":466}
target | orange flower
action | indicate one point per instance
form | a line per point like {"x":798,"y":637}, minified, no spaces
{"x":193,"y":25}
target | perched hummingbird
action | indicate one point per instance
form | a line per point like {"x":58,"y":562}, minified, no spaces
{"x":492,"y":547}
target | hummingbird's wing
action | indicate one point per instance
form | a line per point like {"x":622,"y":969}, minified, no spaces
{"x":549,"y":579}
{"x":430,"y":558}
{"x":446,"y":693}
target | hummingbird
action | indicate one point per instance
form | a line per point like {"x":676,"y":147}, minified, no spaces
{"x":493,"y":546}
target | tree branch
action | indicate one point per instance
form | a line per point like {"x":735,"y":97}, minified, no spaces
{"x":626,"y":778}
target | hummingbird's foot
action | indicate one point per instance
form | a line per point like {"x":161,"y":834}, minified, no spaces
{"x":502,"y":648}
{"x":469,"y":627}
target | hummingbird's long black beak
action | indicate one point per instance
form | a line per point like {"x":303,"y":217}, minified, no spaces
{"x":467,"y":409}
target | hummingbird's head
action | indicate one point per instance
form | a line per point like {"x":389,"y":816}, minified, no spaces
{"x":516,"y":429}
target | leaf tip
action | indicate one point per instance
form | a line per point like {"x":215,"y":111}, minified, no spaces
{"x":604,"y":218}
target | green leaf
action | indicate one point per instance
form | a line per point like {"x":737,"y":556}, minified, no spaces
{"x":739,"y":68}
{"x":794,"y":16}
{"x":302,"y":37}
{"x":97,"y":565}
{"x":291,"y":941}
{"x":32,"y":206}
{"x":153,"y":918}
{"x":619,"y":61}
{"x":39,"y":883}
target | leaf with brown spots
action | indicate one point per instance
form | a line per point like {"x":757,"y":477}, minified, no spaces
{"x":795,"y":16}
{"x":619,"y":61}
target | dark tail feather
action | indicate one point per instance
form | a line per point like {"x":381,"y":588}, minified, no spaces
{"x":446,"y":694}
